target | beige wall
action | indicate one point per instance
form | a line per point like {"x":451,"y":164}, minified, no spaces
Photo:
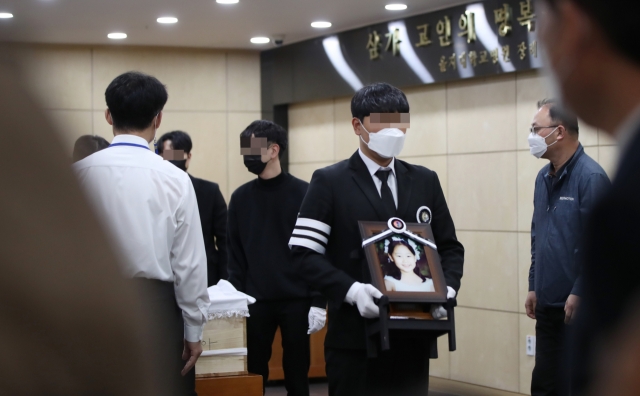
{"x":474,"y":135}
{"x":213,"y":95}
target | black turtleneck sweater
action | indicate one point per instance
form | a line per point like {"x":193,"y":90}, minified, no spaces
{"x":262,"y":215}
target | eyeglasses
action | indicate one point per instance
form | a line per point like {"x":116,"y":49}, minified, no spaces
{"x":538,"y":129}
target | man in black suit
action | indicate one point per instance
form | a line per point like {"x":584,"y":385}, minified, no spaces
{"x":176,"y":148}
{"x":594,"y":60}
{"x":326,"y":246}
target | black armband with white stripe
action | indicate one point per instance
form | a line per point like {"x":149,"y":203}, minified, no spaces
{"x":312,"y":234}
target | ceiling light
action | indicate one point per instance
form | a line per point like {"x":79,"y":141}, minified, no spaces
{"x":396,"y":7}
{"x":321,"y":25}
{"x":260,"y":40}
{"x":117,"y":36}
{"x":5,"y":15}
{"x":227,"y":1}
{"x":167,"y":20}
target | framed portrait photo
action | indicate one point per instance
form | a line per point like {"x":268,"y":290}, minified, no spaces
{"x":403,"y":261}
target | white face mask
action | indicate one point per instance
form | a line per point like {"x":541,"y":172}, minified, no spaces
{"x":538,"y":145}
{"x":387,"y":142}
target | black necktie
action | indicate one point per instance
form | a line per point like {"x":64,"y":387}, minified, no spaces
{"x":387,"y":197}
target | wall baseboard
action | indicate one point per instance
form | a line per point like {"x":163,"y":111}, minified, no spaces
{"x":465,"y":389}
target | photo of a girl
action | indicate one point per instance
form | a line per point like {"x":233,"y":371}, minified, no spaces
{"x":404,"y":266}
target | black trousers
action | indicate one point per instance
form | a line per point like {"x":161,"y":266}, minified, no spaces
{"x":166,"y":333}
{"x":548,"y":378}
{"x":401,"y":371}
{"x":292,"y":316}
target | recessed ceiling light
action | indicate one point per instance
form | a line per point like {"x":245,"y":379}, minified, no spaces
{"x":396,"y":7}
{"x":117,"y":36}
{"x":260,"y":40}
{"x":321,"y":25}
{"x":167,"y":20}
{"x":5,"y":15}
{"x":227,"y":1}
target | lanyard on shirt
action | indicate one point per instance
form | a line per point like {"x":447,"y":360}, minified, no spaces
{"x":129,"y":144}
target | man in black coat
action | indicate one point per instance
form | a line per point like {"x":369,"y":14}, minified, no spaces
{"x":211,"y":204}
{"x":594,"y":60}
{"x":326,"y":246}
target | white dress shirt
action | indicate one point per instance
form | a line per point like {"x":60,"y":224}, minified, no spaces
{"x":150,"y":208}
{"x":391,"y":181}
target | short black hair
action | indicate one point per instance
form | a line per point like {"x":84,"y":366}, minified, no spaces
{"x":378,"y":98}
{"x":617,"y":20}
{"x":560,"y":115}
{"x":134,"y":99}
{"x":87,"y":145}
{"x":272,"y":131}
{"x":179,"y":141}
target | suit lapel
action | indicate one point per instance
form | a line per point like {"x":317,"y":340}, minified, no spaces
{"x":405,"y":181}
{"x":363,"y":179}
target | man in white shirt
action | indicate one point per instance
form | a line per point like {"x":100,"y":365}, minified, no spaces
{"x":150,"y":208}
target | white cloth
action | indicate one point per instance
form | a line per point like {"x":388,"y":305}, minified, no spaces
{"x":426,"y":286}
{"x":362,"y":296}
{"x":437,"y":311}
{"x":150,"y":208}
{"x":227,"y":302}
{"x":391,"y":181}
{"x":317,"y":319}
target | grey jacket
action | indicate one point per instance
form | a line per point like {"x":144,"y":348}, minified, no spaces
{"x":559,"y":217}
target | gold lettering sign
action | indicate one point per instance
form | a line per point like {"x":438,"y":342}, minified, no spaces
{"x":467,"y":24}
{"x":473,"y":58}
{"x":393,"y":42}
{"x":494,"y":56}
{"x":453,"y":61}
{"x":374,"y":45}
{"x":505,"y":53}
{"x":503,"y":17}
{"x":526,"y":15}
{"x":533,"y":49}
{"x":444,"y":31}
{"x":484,"y":57}
{"x":522,"y":50}
{"x":443,"y":64}
{"x":424,"y":35}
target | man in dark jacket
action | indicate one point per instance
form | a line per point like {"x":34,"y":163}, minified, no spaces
{"x":566,"y":190}
{"x":211,"y":204}
{"x":262,"y":215}
{"x":594,"y":61}
{"x":327,"y":251}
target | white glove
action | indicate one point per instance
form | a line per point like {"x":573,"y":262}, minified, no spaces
{"x":362,"y":295}
{"x":437,"y":311}
{"x":317,"y":319}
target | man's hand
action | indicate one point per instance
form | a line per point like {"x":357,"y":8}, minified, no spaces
{"x":530,"y":304}
{"x":317,"y":319}
{"x":362,"y":295}
{"x":570,"y":308}
{"x":438,"y":311}
{"x":191,"y":353}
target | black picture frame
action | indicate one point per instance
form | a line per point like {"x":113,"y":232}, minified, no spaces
{"x":373,"y":254}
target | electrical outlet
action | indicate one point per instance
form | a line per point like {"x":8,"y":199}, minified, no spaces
{"x":531,"y":345}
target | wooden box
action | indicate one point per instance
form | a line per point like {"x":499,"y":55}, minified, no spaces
{"x":237,"y":385}
{"x":220,"y":335}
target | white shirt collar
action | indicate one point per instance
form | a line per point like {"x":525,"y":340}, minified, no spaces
{"x":132,"y":139}
{"x":373,"y":167}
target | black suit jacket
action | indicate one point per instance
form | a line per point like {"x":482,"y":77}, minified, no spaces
{"x":338,"y":197}
{"x":213,"y":217}
{"x":611,"y":267}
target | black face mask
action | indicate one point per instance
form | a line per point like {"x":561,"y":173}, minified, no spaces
{"x":254,"y":164}
{"x":182,"y":164}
